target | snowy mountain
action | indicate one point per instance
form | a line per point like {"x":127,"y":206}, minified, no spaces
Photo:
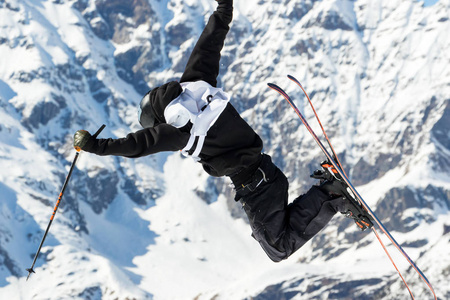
{"x":158,"y":227}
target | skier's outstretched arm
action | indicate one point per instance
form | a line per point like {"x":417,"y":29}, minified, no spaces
{"x":144,"y":142}
{"x":203,"y":63}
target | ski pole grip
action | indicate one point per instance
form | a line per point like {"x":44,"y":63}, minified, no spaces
{"x":99,"y":130}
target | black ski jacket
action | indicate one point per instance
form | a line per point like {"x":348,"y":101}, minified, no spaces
{"x":231,"y":148}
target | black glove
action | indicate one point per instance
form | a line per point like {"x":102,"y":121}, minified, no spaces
{"x":225,"y":9}
{"x":80,"y":139}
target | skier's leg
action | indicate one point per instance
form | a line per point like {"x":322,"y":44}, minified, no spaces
{"x":309,"y":213}
{"x":203,"y":63}
{"x":281,"y":229}
{"x":266,"y":209}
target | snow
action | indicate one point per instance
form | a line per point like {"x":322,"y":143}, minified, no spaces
{"x":188,"y":233}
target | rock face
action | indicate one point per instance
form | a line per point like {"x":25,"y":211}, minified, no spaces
{"x":376,"y":72}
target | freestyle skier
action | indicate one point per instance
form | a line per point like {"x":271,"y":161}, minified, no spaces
{"x":196,"y":117}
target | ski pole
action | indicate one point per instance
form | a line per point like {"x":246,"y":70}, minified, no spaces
{"x":31,"y":270}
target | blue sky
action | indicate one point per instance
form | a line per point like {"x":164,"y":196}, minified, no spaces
{"x":430,"y":2}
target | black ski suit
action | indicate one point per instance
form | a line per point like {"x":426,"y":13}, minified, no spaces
{"x":233,"y":149}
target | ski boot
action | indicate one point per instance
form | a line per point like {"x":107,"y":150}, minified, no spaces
{"x":332,"y":182}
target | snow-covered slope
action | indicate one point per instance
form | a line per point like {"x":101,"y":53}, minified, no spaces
{"x":158,"y":227}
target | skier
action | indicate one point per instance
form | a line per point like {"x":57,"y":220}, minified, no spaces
{"x":196,"y":117}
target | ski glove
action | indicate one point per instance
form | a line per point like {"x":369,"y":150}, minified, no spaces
{"x":225,"y":9}
{"x":80,"y":139}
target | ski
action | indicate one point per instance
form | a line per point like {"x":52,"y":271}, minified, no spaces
{"x":365,"y":214}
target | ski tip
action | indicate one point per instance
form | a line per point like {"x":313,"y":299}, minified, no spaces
{"x":274,"y":86}
{"x":295,"y":80}
{"x":279,"y":90}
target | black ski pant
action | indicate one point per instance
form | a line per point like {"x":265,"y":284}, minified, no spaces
{"x":283,"y":228}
